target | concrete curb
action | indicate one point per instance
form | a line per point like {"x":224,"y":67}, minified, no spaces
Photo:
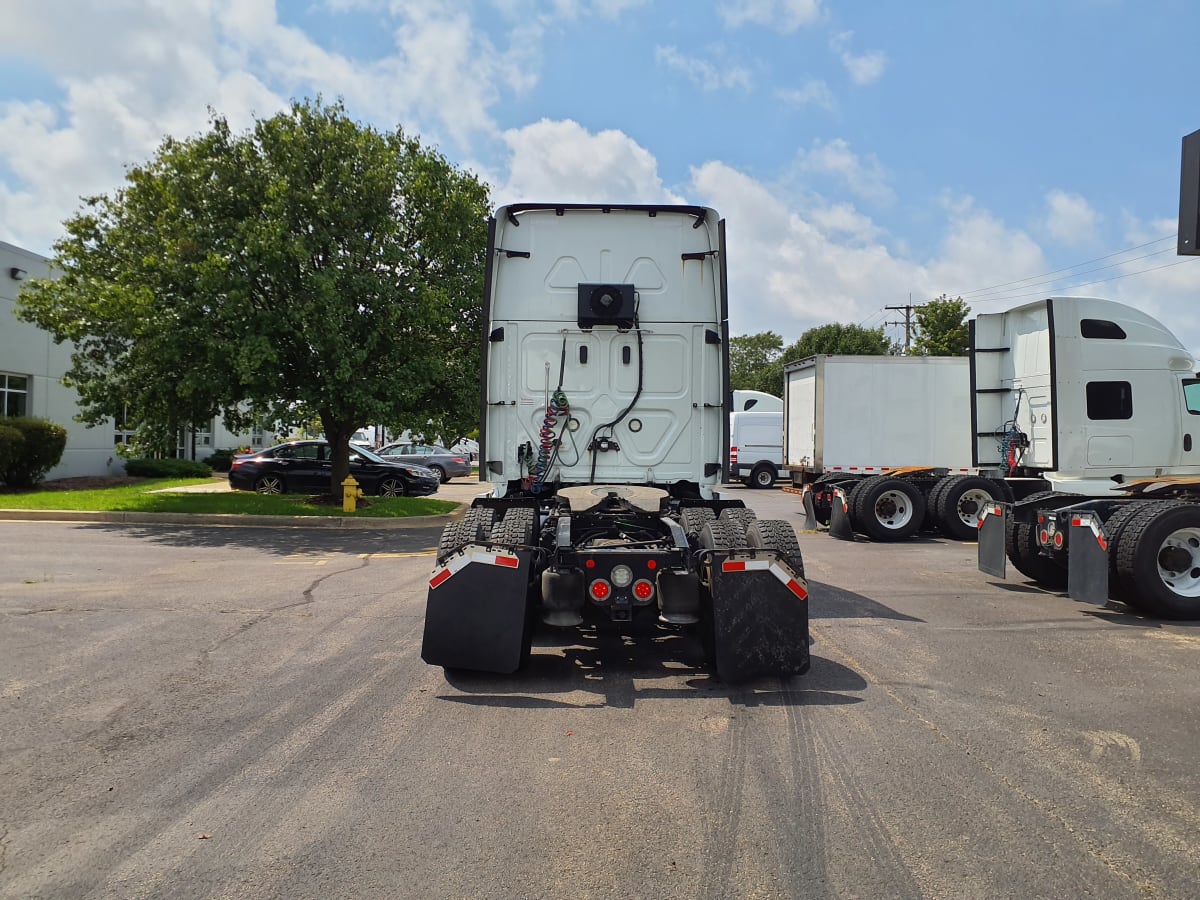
{"x":228,"y":519}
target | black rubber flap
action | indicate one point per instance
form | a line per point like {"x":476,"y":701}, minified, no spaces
{"x":839,"y":518}
{"x":810,"y":513}
{"x":990,"y":548}
{"x":477,"y":618}
{"x":1087,"y":562}
{"x":760,"y":626}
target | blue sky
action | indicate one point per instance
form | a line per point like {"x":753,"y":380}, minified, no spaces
{"x":861,"y":152}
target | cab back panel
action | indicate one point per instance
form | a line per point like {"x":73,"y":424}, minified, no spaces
{"x":674,"y":430}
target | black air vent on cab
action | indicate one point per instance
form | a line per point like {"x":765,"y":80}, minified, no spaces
{"x":606,"y":304}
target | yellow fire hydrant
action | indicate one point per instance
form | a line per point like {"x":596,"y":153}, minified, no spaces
{"x":350,"y":494}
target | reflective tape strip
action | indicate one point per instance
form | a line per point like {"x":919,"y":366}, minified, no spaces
{"x":464,"y":558}
{"x":794,"y":585}
{"x":1092,"y":523}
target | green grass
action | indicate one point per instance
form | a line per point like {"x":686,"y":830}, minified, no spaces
{"x":137,"y":498}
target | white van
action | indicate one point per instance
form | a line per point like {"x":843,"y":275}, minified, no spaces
{"x":756,"y":447}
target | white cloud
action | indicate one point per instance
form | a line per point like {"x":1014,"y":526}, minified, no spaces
{"x":779,"y":15}
{"x":813,"y":92}
{"x":864,"y":176}
{"x":1070,"y":219}
{"x":563,"y":161}
{"x":701,"y":72}
{"x":864,"y":68}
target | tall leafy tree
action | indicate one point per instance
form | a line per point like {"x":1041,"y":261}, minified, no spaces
{"x":313,"y":266}
{"x":836,"y":338}
{"x":942,"y":327}
{"x":754,"y":362}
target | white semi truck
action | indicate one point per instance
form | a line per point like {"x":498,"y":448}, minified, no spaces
{"x":879,"y":444}
{"x":1090,"y":410}
{"x":604,"y":436}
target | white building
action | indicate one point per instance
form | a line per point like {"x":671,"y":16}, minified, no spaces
{"x":31,"y":371}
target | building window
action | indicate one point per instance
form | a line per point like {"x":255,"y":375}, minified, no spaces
{"x":256,"y":436}
{"x":14,"y":395}
{"x":123,"y":428}
{"x":1109,"y":400}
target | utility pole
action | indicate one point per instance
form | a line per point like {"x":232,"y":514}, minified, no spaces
{"x":907,"y":323}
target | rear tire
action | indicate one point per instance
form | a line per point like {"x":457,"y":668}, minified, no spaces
{"x":440,"y":473}
{"x":763,"y":476}
{"x":960,"y":502}
{"x":454,"y":537}
{"x":391,"y":487}
{"x":888,"y":509}
{"x":739,"y":518}
{"x":271,"y":484}
{"x":1119,"y":588}
{"x":777,"y":535}
{"x":1159,"y":556}
{"x":517,"y":527}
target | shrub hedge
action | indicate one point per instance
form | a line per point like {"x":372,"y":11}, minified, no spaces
{"x":38,"y":447}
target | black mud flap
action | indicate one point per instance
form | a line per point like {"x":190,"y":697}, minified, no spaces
{"x":992,"y":555}
{"x":477,"y":611}
{"x":1087,"y":560}
{"x":810,"y":510}
{"x":760,"y":616}
{"x":839,"y":517}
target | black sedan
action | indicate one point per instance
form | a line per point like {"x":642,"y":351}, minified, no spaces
{"x":305,"y":466}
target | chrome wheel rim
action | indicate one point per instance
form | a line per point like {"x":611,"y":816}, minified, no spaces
{"x":1178,"y":561}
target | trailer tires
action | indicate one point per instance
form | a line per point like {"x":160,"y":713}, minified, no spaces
{"x":777,"y":535}
{"x":481,"y":518}
{"x":959,"y":502}
{"x":1159,"y":558}
{"x":888,"y":509}
{"x":1020,"y":543}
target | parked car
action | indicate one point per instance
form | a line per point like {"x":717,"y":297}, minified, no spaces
{"x":447,"y":465}
{"x":304,"y":467}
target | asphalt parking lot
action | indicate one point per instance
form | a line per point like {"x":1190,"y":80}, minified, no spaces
{"x":223,"y":711}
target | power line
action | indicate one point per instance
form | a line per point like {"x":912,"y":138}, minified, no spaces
{"x":1123,"y":262}
{"x":983,"y":290}
{"x":1089,"y":283}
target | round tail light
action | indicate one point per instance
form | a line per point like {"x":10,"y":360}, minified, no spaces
{"x":643,"y":589}
{"x":600,"y":590}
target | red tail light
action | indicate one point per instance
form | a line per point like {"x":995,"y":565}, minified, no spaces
{"x":600,"y":589}
{"x":643,"y":589}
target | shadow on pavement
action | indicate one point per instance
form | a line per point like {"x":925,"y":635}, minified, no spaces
{"x":615,"y":665}
{"x":829,"y":602}
{"x":286,"y":541}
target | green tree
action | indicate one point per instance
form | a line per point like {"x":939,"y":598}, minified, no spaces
{"x":754,"y":362}
{"x":310,"y":267}
{"x":835,"y":338}
{"x":942,"y":328}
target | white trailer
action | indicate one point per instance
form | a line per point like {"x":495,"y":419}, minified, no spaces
{"x":1090,"y":410}
{"x":884,"y":438}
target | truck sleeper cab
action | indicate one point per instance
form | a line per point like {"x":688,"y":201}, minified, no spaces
{"x":604,"y":437}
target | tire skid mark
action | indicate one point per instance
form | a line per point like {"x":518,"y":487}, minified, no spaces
{"x":724,"y":815}
{"x":872,"y":835}
{"x":1119,"y":867}
{"x":803,"y":767}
